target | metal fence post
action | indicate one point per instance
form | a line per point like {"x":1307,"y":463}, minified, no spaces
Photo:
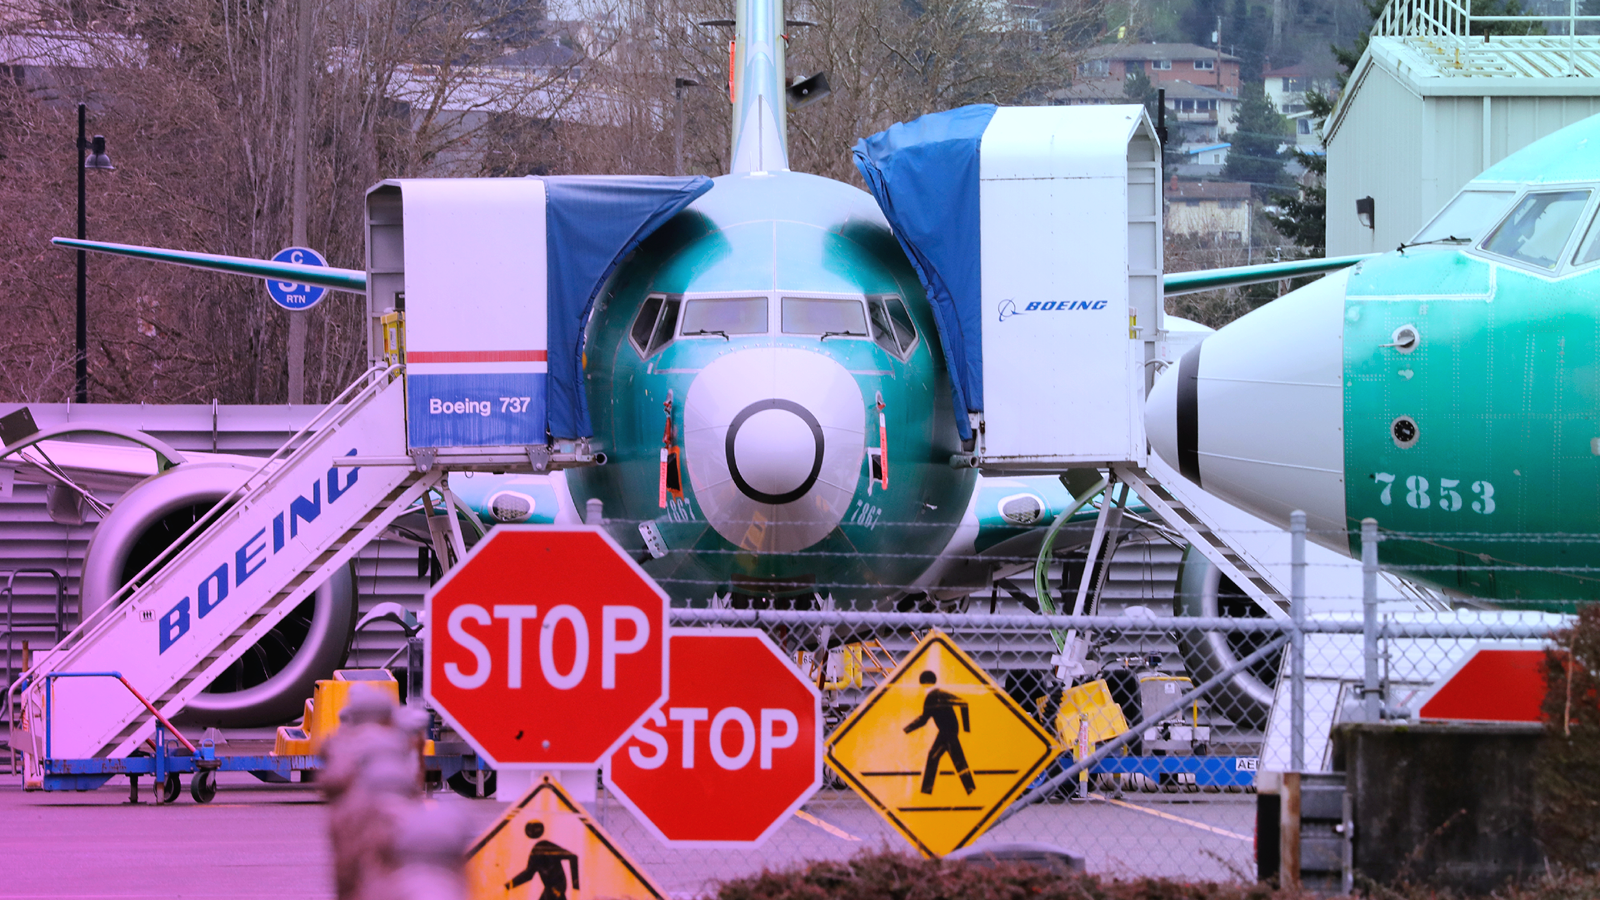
{"x":1371,"y":697}
{"x":1297,"y":608}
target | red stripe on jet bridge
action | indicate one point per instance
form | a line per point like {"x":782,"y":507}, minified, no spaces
{"x":476,"y":356}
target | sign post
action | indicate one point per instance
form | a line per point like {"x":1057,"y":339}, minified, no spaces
{"x":546,"y":645}
{"x":734,"y":752}
{"x":297,"y":298}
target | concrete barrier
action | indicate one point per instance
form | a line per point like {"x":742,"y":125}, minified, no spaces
{"x":1445,"y":804}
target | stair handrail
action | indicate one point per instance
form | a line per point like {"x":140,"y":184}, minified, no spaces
{"x":48,"y":703}
{"x":10,"y":628}
{"x":10,"y":593}
{"x":372,"y":381}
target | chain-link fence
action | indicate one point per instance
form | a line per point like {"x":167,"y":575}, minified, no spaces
{"x":1164,"y":720}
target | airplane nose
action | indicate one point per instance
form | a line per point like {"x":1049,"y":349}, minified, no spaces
{"x":774,"y":440}
{"x":1254,"y":414}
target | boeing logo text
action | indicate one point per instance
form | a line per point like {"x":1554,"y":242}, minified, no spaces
{"x":252,"y":555}
{"x":1063,"y":305}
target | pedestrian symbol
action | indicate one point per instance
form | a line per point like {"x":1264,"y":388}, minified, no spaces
{"x":941,"y":706}
{"x":546,"y":847}
{"x":544,"y":863}
{"x":939,"y":749}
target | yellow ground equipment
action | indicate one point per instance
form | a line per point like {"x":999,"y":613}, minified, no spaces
{"x":1089,"y":703}
{"x":847,"y":666}
{"x":322,"y":710}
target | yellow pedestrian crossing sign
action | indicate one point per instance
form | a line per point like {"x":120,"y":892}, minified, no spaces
{"x":939,"y":749}
{"x":547,"y":847}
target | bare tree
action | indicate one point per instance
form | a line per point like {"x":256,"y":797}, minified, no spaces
{"x":197,"y":98}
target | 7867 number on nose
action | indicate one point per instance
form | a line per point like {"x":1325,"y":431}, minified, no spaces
{"x":545,"y":646}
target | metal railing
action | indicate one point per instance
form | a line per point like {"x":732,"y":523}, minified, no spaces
{"x":1461,"y":43}
{"x":1454,"y":18}
{"x":57,"y":627}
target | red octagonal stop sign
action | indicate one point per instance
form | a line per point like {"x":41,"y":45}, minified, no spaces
{"x":734,"y":752}
{"x":545,"y":646}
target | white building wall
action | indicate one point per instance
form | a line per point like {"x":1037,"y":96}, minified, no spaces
{"x":1411,"y":149}
{"x":1516,"y":122}
{"x":1376,"y":150}
{"x":1210,"y":217}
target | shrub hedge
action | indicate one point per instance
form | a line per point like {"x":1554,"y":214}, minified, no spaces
{"x":882,"y":875}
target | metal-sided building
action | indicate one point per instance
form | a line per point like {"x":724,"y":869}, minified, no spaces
{"x":1433,"y":102}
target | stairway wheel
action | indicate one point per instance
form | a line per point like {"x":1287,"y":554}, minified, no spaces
{"x":203,"y":786}
{"x":464,"y":784}
{"x":170,"y":788}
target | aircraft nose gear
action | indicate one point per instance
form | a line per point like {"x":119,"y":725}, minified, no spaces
{"x":774,"y":439}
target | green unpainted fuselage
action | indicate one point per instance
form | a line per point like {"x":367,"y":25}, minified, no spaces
{"x":1503,"y":384}
{"x":1497,"y":479}
{"x":774,"y":234}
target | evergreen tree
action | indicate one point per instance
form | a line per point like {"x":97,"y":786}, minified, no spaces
{"x":1304,"y":215}
{"x":1347,"y":57}
{"x":1246,"y":31}
{"x":1199,"y":21}
{"x":1259,"y":130}
{"x":1138,"y":89}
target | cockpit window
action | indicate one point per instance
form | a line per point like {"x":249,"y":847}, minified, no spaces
{"x":903,"y":329}
{"x":652,"y":328}
{"x":1466,"y":217}
{"x":723,"y":316}
{"x":891,"y":325}
{"x":1589,"y":250}
{"x":1538,"y":228}
{"x":645,"y":324}
{"x":829,"y":318}
{"x":669,"y":321}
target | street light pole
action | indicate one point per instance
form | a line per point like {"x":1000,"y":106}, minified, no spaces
{"x":82,"y":393}
{"x":97,"y":159}
{"x":677,"y":137}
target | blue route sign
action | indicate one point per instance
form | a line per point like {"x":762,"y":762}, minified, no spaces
{"x":293,"y":296}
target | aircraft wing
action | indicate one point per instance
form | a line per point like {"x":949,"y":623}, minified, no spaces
{"x":1211,"y":279}
{"x":355,"y":280}
{"x":352,"y":280}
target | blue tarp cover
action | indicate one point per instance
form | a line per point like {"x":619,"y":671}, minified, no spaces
{"x":924,"y":175}
{"x":592,"y":223}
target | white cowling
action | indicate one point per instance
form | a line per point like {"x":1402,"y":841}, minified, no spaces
{"x":152,"y":515}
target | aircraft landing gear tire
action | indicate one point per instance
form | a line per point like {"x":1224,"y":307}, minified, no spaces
{"x":169,"y":789}
{"x":203,"y":786}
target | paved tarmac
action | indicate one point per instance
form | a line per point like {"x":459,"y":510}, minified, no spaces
{"x":253,"y":840}
{"x":269,"y":841}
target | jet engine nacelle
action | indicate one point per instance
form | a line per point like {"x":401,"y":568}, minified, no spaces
{"x":1203,"y":591}
{"x":271,"y":683}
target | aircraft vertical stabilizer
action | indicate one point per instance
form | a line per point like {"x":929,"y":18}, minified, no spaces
{"x":760,"y":113}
